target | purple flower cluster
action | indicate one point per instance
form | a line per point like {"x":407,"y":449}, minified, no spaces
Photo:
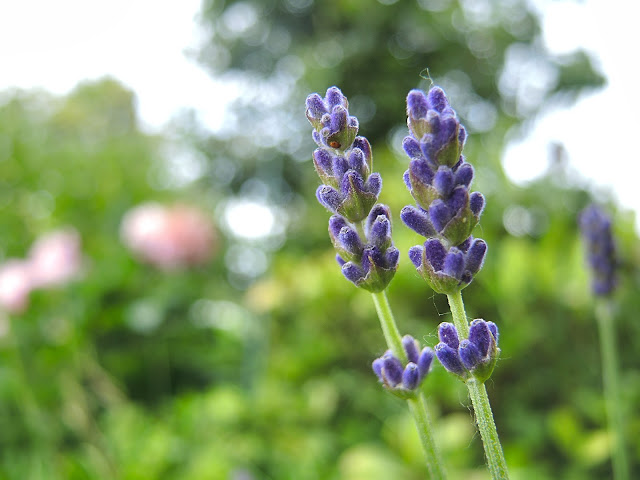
{"x":404,"y":380}
{"x":595,"y":226}
{"x":439,"y":179}
{"x":350,"y":190}
{"x":475,"y":355}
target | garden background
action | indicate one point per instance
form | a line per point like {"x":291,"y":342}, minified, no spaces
{"x":253,"y":360}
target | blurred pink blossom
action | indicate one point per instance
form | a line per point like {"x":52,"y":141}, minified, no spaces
{"x":53,"y":260}
{"x":169,"y":237}
{"x":15,"y":285}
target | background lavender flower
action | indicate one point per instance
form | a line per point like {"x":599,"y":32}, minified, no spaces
{"x":404,"y":380}
{"x":595,"y":226}
{"x":360,"y":229}
{"x":439,"y":179}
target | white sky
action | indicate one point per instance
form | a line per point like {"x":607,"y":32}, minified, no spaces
{"x":55,"y":44}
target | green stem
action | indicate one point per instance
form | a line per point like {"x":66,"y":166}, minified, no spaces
{"x":417,"y":405}
{"x":480,"y":400}
{"x":615,"y":411}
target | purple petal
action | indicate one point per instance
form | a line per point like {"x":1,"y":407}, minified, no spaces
{"x":353,"y":272}
{"x":415,"y":255}
{"x":443,"y":181}
{"x":439,"y":214}
{"x":380,"y":232}
{"x":350,"y":240}
{"x":374,"y":183}
{"x":435,"y":253}
{"x":475,"y":255}
{"x":392,"y":369}
{"x":356,"y":160}
{"x":411,"y":376}
{"x":377,"y":368}
{"x":425,"y":360}
{"x":421,"y":171}
{"x":329,"y":197}
{"x":449,"y":358}
{"x":464,"y":175}
{"x":476,"y":203}
{"x":448,"y":334}
{"x":391,"y":257}
{"x":335,"y":97}
{"x":469,"y":354}
{"x":417,"y":220}
{"x":454,"y":263}
{"x":336,"y":223}
{"x":322,"y":160}
{"x":411,"y":147}
{"x":480,"y":336}
{"x":493,"y":328}
{"x":417,"y":104}
{"x":437,"y":99}
{"x":410,"y":346}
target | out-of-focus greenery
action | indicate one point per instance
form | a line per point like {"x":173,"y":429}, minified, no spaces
{"x":212,"y":373}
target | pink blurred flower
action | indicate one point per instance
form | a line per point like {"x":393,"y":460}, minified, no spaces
{"x":169,"y":237}
{"x":53,"y":260}
{"x":15,"y":285}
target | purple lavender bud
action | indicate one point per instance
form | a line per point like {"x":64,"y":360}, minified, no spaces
{"x":437,"y":99}
{"x":322,"y":161}
{"x":458,"y":200}
{"x":469,"y":354}
{"x":377,"y":210}
{"x":380,"y":232}
{"x":464,"y":175}
{"x":362,"y":144}
{"x":425,"y":360}
{"x":341,"y":261}
{"x":481,"y":337}
{"x":411,"y":346}
{"x":407,"y":179}
{"x":351,"y":183}
{"x":475,"y":256}
{"x":417,"y":220}
{"x":392,"y":369}
{"x":417,"y":104}
{"x":372,"y":256}
{"x":412,"y":148}
{"x":415,"y":255}
{"x":448,"y":334}
{"x":377,"y":368}
{"x":353,"y":272}
{"x":443,"y":181}
{"x":339,"y":167}
{"x":462,"y":136}
{"x":454,"y":263}
{"x":315,"y":109}
{"x":335,"y":97}
{"x":357,"y":161}
{"x":440,"y":214}
{"x":336,"y":223}
{"x":493,"y":328}
{"x":435,"y":253}
{"x":450,"y":359}
{"x":476,"y":203}
{"x":595,"y":227}
{"x":411,"y":376}
{"x":420,"y":171}
{"x":374,"y":184}
{"x":391,"y":258}
{"x":350,"y":241}
{"x":328,"y":197}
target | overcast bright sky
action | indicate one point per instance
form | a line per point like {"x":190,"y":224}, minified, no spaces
{"x":55,"y":44}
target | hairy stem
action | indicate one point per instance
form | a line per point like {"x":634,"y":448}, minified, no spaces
{"x":615,"y":410}
{"x":417,"y":405}
{"x":480,"y":400}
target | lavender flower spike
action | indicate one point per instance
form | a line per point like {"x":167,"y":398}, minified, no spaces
{"x":404,"y":380}
{"x":595,"y":226}
{"x":469,"y":357}
{"x":350,"y":191}
{"x":439,"y":180}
